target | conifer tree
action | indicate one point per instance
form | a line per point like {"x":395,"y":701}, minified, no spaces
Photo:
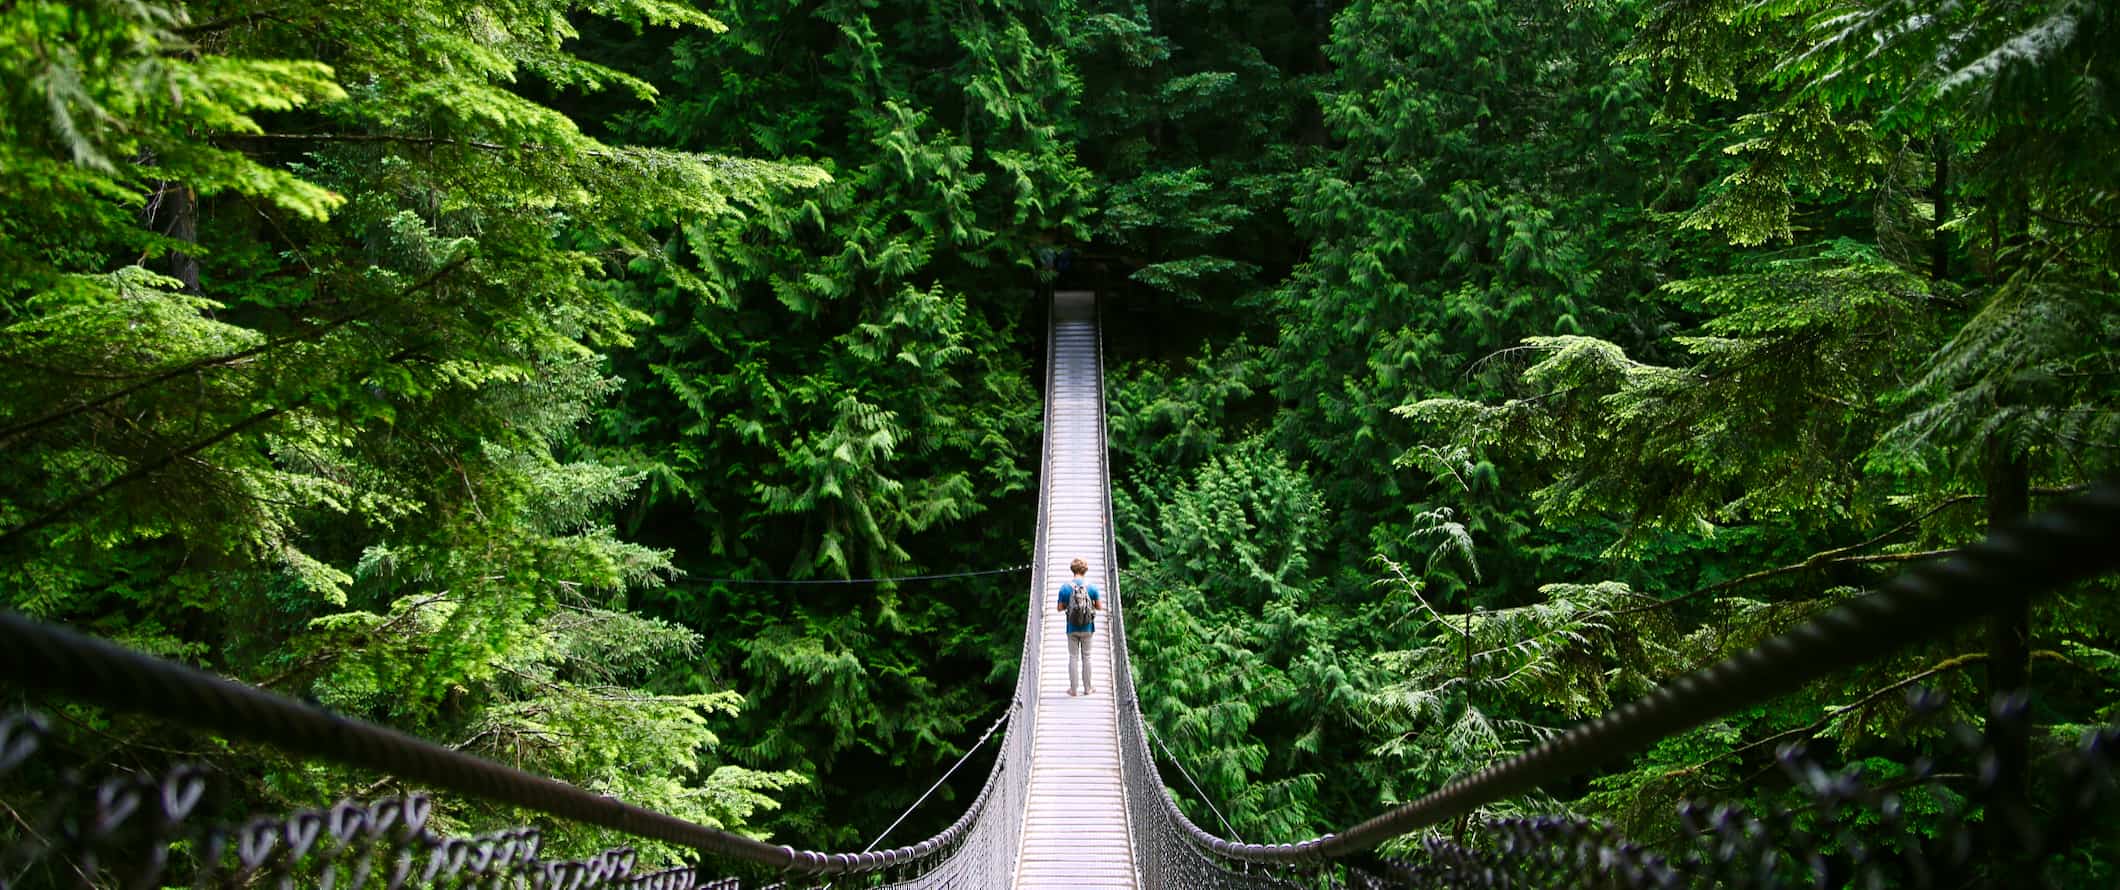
{"x":302,"y":306}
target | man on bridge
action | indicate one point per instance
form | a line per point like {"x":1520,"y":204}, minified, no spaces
{"x":1080,"y":600}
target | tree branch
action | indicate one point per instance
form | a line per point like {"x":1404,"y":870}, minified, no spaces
{"x":32,"y":832}
{"x":366,"y":137}
{"x":386,"y":780}
{"x":220,"y":360}
{"x":1830,"y":555}
{"x":1894,"y":557}
{"x":1819,"y":725}
{"x":156,"y":465}
{"x":223,"y":24}
{"x":375,"y":632}
{"x":141,"y":472}
{"x":1835,"y":556}
{"x":2074,"y":223}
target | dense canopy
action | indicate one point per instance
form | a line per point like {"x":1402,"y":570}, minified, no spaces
{"x":460,"y":365}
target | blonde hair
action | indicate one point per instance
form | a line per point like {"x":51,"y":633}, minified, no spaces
{"x":1080,"y":565}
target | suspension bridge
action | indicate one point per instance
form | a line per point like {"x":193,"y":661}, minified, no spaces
{"x":1075,"y":797}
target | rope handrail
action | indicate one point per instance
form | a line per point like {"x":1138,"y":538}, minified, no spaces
{"x":2072,"y":541}
{"x":50,"y":658}
{"x":55,"y":659}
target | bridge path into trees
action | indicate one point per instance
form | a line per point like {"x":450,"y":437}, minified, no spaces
{"x":1075,"y":831}
{"x":1075,"y":797}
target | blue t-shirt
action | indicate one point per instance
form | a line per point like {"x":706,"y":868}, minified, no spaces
{"x":1069,"y":588}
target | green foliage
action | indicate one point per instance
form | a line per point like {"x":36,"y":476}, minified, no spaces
{"x":1475,"y":686}
{"x":836,"y":381}
{"x":1229,"y":651}
{"x":1759,"y":424}
{"x":1921,"y":327}
{"x":1477,"y":366}
{"x":1195,"y":121}
{"x":1490,"y":184}
{"x":302,"y":311}
{"x":1731,"y":304}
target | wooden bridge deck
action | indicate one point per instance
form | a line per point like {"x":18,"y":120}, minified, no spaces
{"x":1075,"y":831}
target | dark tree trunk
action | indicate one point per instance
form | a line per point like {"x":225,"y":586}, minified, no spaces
{"x":174,"y":211}
{"x":1314,"y":130}
{"x":1940,"y":245}
{"x":2009,"y":657}
{"x":1155,"y":127}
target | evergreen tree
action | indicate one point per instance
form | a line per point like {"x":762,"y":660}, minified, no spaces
{"x":850,"y":390}
{"x":302,"y":307}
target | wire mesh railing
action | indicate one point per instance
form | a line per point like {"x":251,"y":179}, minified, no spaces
{"x":1841,"y":828}
{"x":125,"y":831}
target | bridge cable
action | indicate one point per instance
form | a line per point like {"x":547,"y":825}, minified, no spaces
{"x":811,"y":581}
{"x":968,"y":752}
{"x":1189,"y":780}
{"x":53,"y":659}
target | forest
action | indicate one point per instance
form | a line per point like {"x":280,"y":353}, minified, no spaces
{"x":484,"y":368}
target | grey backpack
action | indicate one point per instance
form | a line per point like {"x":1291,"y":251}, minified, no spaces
{"x":1079,"y":610}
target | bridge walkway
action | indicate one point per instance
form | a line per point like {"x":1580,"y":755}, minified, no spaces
{"x":1075,"y":829}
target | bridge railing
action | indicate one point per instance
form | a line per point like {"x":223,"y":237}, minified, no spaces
{"x":2077,"y":539}
{"x":136,"y":821}
{"x":131,"y":823}
{"x":1169,"y":850}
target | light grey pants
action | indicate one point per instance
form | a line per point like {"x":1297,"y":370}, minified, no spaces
{"x":1078,"y":656}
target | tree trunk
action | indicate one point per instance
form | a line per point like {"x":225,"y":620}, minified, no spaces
{"x":1315,"y":132}
{"x":173,"y":210}
{"x":1939,"y":245}
{"x":1162,"y":113}
{"x":2009,"y":659}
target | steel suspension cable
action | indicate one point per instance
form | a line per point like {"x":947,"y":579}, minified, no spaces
{"x":1174,"y":761}
{"x":968,"y":752}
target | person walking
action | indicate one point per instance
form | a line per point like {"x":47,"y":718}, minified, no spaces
{"x":1080,"y":601}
